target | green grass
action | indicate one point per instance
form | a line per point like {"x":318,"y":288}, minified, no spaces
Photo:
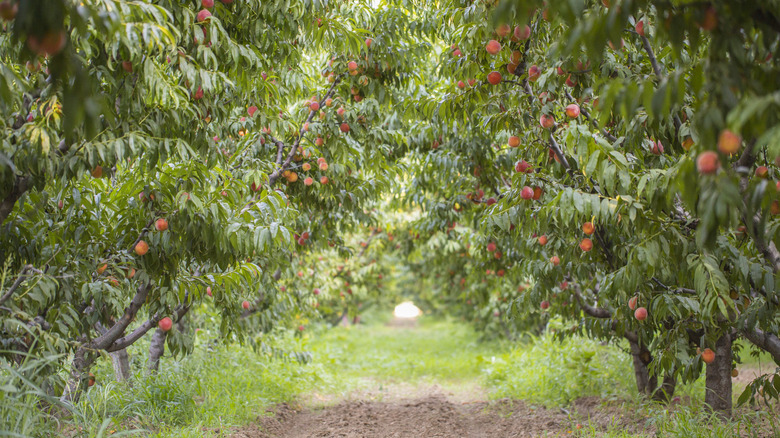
{"x":435,"y":351}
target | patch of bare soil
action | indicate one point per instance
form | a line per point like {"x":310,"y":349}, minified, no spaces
{"x":438,"y":413}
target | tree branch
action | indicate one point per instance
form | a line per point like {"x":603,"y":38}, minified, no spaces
{"x":276,"y":174}
{"x":16,"y":284}
{"x":766,"y":341}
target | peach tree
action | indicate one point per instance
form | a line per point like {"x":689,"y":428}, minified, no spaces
{"x":620,"y":156}
{"x":161,"y":159}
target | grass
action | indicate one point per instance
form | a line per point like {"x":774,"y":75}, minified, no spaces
{"x":218,"y":388}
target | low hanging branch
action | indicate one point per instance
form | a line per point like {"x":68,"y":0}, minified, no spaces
{"x":766,"y":341}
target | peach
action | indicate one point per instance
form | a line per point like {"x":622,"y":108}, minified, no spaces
{"x":640,"y":314}
{"x":494,"y":78}
{"x":573,"y":111}
{"x":527,"y":193}
{"x":586,"y":244}
{"x":708,"y":356}
{"x":493,"y":47}
{"x":165,"y":324}
{"x":542,"y":240}
{"x":708,"y":163}
{"x":514,"y":141}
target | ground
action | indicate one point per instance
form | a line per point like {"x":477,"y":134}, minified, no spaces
{"x":411,"y":382}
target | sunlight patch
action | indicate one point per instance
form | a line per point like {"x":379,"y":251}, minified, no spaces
{"x":407,"y":309}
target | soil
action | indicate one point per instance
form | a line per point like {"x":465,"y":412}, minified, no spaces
{"x":436,"y":412}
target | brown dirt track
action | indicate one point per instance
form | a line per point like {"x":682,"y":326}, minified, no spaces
{"x":436,"y":413}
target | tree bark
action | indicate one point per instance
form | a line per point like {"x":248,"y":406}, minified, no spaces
{"x":665,"y":392}
{"x":121,"y":361}
{"x":156,"y":350}
{"x":718,"y":378}
{"x":645,"y":383}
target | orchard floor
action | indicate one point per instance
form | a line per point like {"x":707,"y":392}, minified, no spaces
{"x":399,"y":385}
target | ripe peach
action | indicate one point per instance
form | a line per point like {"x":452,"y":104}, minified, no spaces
{"x":368,"y":42}
{"x":522,"y":32}
{"x":570,"y":82}
{"x":203,"y":15}
{"x":708,"y":163}
{"x":632,"y":303}
{"x":514,"y":141}
{"x":762,"y":172}
{"x":640,"y":28}
{"x":640,"y":314}
{"x":314,"y":106}
{"x":493,"y":47}
{"x":245,"y":305}
{"x":208,"y":290}
{"x":547,"y":121}
{"x":588,"y":228}
{"x":658,"y":148}
{"x":102,"y":268}
{"x":352,"y":65}
{"x":457,"y":53}
{"x":161,"y":224}
{"x":586,"y":244}
{"x":324,"y":180}
{"x":141,"y":248}
{"x":545,"y":305}
{"x":527,"y":193}
{"x":728,"y":142}
{"x":130,"y":273}
{"x":523,"y":166}
{"x":461,"y":85}
{"x":573,"y":111}
{"x":97,"y":172}
{"x":323,"y":166}
{"x":165,"y":324}
{"x":494,"y":78}
{"x":533,"y":73}
{"x":503,"y":30}
{"x":491,"y":247}
{"x":555,"y":260}
{"x":708,"y":356}
{"x":344,"y":127}
{"x":208,"y":4}
{"x":537,"y":193}
{"x":687,"y":144}
{"x":542,"y":240}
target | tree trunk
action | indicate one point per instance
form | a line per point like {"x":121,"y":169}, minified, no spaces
{"x":665,"y":392}
{"x":156,"y":350}
{"x":718,"y":378}
{"x":79,"y":376}
{"x":121,"y":362}
{"x":645,"y":383}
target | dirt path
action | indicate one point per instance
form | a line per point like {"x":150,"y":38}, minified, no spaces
{"x":433,"y":412}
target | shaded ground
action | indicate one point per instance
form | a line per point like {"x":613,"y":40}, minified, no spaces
{"x":434,"y":412}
